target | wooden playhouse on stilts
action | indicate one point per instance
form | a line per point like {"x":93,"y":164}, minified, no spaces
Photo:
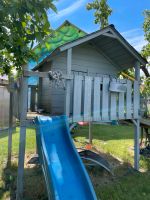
{"x":87,"y":87}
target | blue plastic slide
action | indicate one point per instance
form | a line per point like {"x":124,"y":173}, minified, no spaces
{"x":65,"y":175}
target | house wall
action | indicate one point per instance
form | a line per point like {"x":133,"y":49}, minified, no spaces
{"x":85,"y":60}
{"x":51,"y":99}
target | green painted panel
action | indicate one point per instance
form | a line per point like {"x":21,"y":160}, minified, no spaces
{"x":63,"y":35}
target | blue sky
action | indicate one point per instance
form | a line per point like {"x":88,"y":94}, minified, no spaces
{"x":127,"y":17}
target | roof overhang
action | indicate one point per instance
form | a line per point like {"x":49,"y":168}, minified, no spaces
{"x":105,"y":31}
{"x":110,"y":43}
{"x":113,"y":38}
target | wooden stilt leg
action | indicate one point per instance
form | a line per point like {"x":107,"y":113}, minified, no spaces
{"x":136,"y":144}
{"x":23,"y":114}
{"x":10,"y":130}
{"x":90,"y":133}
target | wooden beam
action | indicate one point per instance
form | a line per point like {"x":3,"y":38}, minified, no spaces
{"x":137,"y":71}
{"x":127,"y":76}
{"x":90,"y":132}
{"x":134,"y":122}
{"x":137,"y":124}
{"x":27,"y":73}
{"x":137,"y":92}
{"x":145,"y":70}
{"x":68,"y":82}
{"x":136,"y":144}
{"x":22,"y":141}
{"x":10,"y":130}
{"x":109,"y":35}
{"x":69,"y":61}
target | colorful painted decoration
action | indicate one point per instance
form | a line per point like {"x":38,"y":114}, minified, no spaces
{"x":64,"y":34}
{"x":67,"y":32}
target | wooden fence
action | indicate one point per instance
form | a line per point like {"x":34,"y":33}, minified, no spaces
{"x":103,"y":99}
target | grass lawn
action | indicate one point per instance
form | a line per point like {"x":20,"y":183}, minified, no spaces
{"x":113,"y":142}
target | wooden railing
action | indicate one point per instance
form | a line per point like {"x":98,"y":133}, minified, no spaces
{"x":103,"y":99}
{"x":100,"y":98}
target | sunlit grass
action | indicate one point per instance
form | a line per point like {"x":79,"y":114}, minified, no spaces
{"x":115,"y":141}
{"x":7,"y":176}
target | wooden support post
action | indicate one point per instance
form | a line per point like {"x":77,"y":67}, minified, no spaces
{"x":67,"y":100}
{"x":137,"y":124}
{"x":23,"y":114}
{"x":90,"y":133}
{"x":10,"y":130}
{"x":136,"y":144}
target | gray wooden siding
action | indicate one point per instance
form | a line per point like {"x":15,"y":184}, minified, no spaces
{"x":52,"y":99}
{"x":44,"y":90}
{"x":85,"y":60}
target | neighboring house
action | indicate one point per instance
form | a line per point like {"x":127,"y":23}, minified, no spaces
{"x":103,"y":53}
{"x":4,"y":103}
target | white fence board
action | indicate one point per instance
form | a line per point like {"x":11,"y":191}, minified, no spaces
{"x":121,"y":106}
{"x":105,"y":98}
{"x":87,"y":98}
{"x":113,"y":105}
{"x":96,"y":101}
{"x":129,"y":100}
{"x":77,"y":98}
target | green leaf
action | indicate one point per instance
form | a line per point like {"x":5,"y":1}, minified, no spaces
{"x":23,"y":24}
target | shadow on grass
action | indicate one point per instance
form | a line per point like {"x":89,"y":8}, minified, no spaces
{"x":125,"y":181}
{"x":4,"y":133}
{"x":145,"y":161}
{"x":106,"y":132}
{"x":34,"y":185}
{"x":126,"y":184}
